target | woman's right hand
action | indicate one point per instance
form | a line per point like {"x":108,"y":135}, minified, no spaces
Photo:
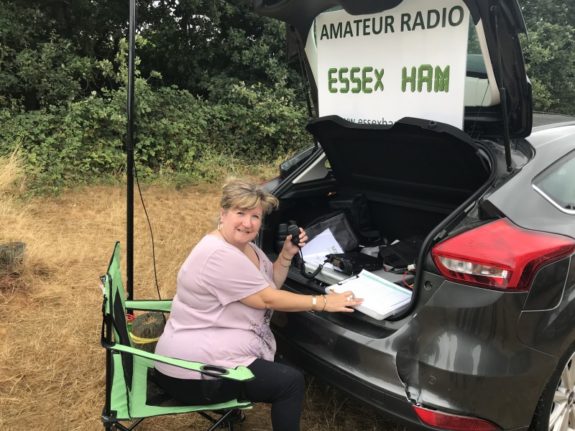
{"x":340,"y":302}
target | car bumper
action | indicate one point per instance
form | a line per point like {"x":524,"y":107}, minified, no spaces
{"x":337,"y":357}
{"x":445,"y":356}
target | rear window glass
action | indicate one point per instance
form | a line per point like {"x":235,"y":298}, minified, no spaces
{"x":557,"y":183}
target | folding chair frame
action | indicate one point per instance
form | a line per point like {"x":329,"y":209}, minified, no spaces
{"x":115,"y":340}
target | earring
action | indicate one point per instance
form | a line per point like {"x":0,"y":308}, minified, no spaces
{"x":220,"y":225}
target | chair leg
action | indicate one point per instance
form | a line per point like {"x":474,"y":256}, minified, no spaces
{"x":135,"y":424}
{"x":227,"y":420}
{"x":115,"y":425}
{"x":221,"y":421}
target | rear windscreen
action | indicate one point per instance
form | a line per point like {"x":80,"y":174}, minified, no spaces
{"x":556,"y":183}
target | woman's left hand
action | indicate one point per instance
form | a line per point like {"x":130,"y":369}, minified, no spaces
{"x":289,"y":249}
{"x":342,"y":302}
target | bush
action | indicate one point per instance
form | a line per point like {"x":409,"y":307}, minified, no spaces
{"x":64,"y":147}
{"x":255,"y":123}
{"x":550,"y":58}
{"x":176,"y":135}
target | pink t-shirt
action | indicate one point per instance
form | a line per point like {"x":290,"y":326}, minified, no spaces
{"x":207,"y":322}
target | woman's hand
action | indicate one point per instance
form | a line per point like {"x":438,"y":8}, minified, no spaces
{"x":339,"y":302}
{"x":281,"y":300}
{"x":289,"y":250}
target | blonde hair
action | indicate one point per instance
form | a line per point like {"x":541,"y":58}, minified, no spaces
{"x":242,"y":194}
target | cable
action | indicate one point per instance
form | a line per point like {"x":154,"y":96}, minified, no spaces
{"x":404,"y":280}
{"x":151,"y":234}
{"x":309,"y":275}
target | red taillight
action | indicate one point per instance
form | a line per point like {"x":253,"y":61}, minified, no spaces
{"x":499,"y":255}
{"x":446,"y":421}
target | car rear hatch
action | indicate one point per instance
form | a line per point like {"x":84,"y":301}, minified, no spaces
{"x":430,"y":164}
{"x":396,"y":185}
{"x":411,"y":176}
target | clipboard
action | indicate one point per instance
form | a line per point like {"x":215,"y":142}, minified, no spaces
{"x":381,"y":297}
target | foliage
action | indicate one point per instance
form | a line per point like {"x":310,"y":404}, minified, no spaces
{"x":66,"y":146}
{"x":214,"y":89}
{"x":550,"y":59}
{"x":177,"y":134}
{"x":550,"y":53}
{"x":11,"y":175}
{"x":560,"y":12}
{"x":38,"y":67}
{"x":258,"y":123}
{"x":206,"y":46}
{"x":63,"y":74}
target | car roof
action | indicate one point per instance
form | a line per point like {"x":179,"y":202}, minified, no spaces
{"x":548,"y":127}
{"x":543,"y":120}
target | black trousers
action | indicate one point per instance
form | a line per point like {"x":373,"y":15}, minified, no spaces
{"x":276,"y":383}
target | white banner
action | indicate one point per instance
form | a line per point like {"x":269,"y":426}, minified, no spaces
{"x":409,"y":61}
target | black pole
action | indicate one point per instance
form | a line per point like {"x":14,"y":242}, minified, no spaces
{"x":106,"y":340}
{"x":130,"y":155}
{"x":503,"y":93}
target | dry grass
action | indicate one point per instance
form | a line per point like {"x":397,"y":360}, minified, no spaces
{"x":51,"y":363}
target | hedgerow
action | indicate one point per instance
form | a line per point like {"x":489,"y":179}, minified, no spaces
{"x":175,"y":134}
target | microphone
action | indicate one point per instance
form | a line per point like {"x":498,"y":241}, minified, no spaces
{"x":293,"y":230}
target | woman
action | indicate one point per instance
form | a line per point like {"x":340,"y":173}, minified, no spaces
{"x":226,"y":291}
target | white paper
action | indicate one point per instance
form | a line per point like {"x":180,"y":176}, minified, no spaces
{"x":381,"y":298}
{"x":315,"y":251}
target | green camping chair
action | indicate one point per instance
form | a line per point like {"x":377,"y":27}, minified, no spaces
{"x":131,"y":394}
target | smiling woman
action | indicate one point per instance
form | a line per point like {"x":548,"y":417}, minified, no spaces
{"x":243,"y":206}
{"x":226,"y":291}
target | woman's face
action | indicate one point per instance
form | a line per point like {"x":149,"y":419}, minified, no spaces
{"x":240,"y":226}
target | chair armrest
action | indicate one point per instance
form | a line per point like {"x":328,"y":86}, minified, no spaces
{"x":150,"y":305}
{"x":239,"y":373}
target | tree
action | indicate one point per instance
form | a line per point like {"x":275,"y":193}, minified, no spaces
{"x":39,"y":65}
{"x":206,"y":46}
{"x":550,"y":54}
{"x":203,"y":46}
{"x":559,"y":12}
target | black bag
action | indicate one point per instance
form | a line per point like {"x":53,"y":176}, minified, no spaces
{"x":356,"y":208}
{"x":339,"y":226}
{"x":401,"y":253}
